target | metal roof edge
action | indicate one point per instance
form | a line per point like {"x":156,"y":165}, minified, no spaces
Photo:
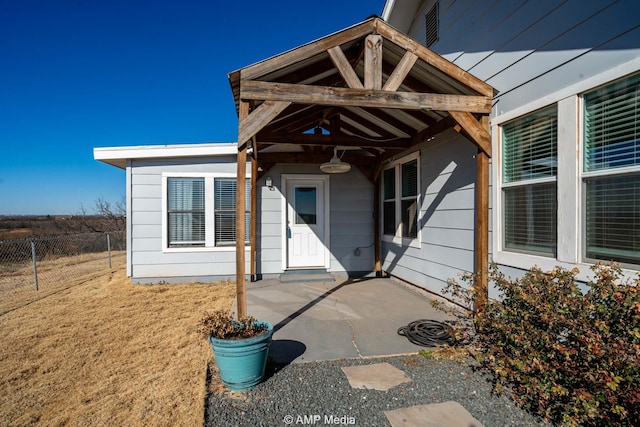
{"x":118,"y":156}
{"x":388,"y":7}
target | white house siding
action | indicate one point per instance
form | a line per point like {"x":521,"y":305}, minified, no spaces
{"x":528,"y":50}
{"x":536,"y":54}
{"x":149,"y":261}
{"x":447,"y":216}
{"x":351,"y":220}
{"x":269,"y":245}
{"x":351,"y":223}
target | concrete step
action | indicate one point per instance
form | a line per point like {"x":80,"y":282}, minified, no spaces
{"x":306,"y":275}
{"x":306,"y":271}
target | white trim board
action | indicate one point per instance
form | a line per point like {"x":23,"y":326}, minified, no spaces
{"x":117,"y":156}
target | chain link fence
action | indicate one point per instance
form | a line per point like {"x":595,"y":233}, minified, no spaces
{"x":40,"y":262}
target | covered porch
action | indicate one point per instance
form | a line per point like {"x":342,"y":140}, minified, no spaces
{"x":371,"y":93}
{"x":341,"y":318}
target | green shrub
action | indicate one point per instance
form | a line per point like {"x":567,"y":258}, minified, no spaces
{"x":573,"y":359}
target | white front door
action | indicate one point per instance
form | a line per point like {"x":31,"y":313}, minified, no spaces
{"x":305,"y":224}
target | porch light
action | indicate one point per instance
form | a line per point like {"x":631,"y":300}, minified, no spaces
{"x":269,"y":183}
{"x":335,"y":165}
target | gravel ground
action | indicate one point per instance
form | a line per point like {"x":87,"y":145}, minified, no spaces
{"x":321,"y":389}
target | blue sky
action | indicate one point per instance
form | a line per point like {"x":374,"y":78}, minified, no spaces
{"x":75,"y":75}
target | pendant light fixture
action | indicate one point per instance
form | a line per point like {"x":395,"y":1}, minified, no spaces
{"x":335,"y":165}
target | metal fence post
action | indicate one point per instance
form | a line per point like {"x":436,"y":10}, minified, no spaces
{"x":109,"y":248}
{"x":35,"y":267}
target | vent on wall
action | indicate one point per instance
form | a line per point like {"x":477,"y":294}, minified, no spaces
{"x":432,"y":25}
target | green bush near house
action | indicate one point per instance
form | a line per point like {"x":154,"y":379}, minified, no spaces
{"x":573,"y":359}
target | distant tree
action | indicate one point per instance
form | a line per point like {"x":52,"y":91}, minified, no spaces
{"x":113,"y":216}
{"x":106,"y":216}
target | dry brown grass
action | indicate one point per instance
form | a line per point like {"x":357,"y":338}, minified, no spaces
{"x":458,"y":354}
{"x":54,"y":275}
{"x":16,"y":233}
{"x":106,"y":352}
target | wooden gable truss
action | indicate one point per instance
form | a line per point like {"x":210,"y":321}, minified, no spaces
{"x":370,"y":90}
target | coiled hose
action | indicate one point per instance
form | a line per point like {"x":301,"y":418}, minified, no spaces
{"x":428,"y":333}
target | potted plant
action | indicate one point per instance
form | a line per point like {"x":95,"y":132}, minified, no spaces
{"x":240,"y":347}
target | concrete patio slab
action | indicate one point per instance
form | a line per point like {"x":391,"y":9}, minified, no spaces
{"x":377,"y":376}
{"x":446,"y":414}
{"x":345,"y":318}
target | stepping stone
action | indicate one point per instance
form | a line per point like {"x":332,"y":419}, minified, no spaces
{"x":446,"y":414}
{"x":379,"y":376}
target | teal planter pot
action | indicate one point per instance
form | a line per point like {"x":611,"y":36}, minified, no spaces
{"x":242,"y":361}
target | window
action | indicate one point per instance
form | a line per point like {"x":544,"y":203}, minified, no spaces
{"x":389,"y":201}
{"x":305,"y":201}
{"x":431,"y":19}
{"x":409,"y":200}
{"x":400,"y":208}
{"x":186,"y":212}
{"x":529,"y":152}
{"x":611,"y":171}
{"x":225,"y":211}
{"x":201,"y":211}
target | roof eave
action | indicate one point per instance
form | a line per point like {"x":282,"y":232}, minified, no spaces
{"x":118,"y":156}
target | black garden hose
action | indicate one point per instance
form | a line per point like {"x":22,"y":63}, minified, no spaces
{"x":428,"y":333}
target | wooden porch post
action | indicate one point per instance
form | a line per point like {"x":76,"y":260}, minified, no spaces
{"x":241,"y":288}
{"x":478,"y":131}
{"x":482,"y":230}
{"x":376,"y":225}
{"x":254,"y":207}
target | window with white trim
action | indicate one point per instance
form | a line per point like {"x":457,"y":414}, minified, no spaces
{"x":529,"y":191}
{"x":225,"y":211}
{"x":389,"y":202}
{"x":201,"y":211}
{"x":400,"y":201}
{"x":185,"y":212}
{"x":611,"y":171}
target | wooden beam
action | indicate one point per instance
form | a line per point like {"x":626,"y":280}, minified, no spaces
{"x":305,"y":52}
{"x":411,"y":83}
{"x":331,"y":140}
{"x":258,"y":119}
{"x":367,"y":123}
{"x":434,"y":59}
{"x":433,"y":130}
{"x":421,"y":115}
{"x":315,"y":158}
{"x":373,"y":62}
{"x":392,"y":121}
{"x":401,"y":71}
{"x":303,"y":119}
{"x":482,"y":231}
{"x":264,"y":168}
{"x":254,"y":148}
{"x":241,"y":287}
{"x":344,"y":68}
{"x":310,"y":75}
{"x":478,"y":133}
{"x":334,"y":96}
